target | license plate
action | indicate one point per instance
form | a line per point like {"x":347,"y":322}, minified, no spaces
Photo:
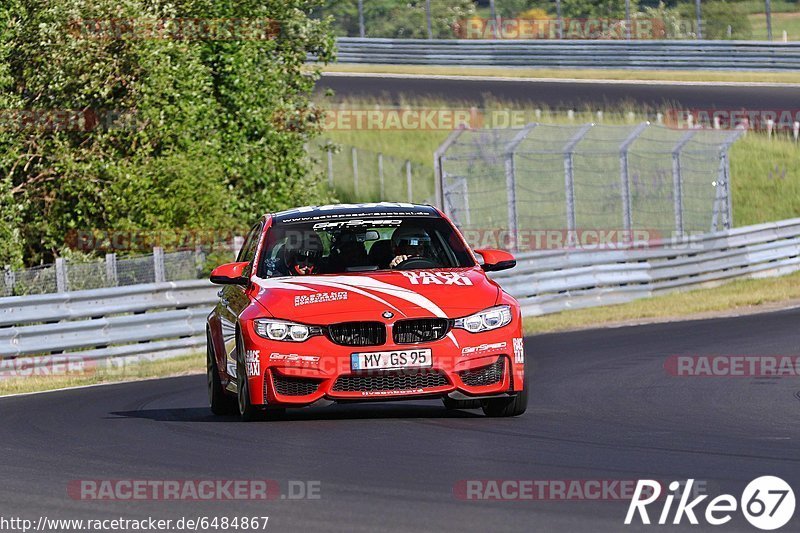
{"x":420,"y":358}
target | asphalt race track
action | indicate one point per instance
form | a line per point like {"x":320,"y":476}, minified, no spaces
{"x":564,"y":94}
{"x":603,"y":407}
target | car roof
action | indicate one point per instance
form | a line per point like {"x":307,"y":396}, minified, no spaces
{"x":339,"y":211}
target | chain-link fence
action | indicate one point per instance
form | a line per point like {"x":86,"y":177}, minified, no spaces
{"x":641,"y":180}
{"x":66,"y":275}
{"x":359,"y":175}
{"x":565,"y":19}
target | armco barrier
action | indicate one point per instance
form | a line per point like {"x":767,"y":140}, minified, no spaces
{"x":153,"y":320}
{"x":732,"y":55}
{"x":551,"y":281}
{"x":162,"y":319}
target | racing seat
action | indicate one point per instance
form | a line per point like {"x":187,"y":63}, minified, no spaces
{"x":381,"y":253}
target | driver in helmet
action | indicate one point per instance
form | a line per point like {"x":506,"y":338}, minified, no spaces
{"x":407,"y":243}
{"x":305,"y":259}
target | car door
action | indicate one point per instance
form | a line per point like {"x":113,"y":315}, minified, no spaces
{"x":233,"y":299}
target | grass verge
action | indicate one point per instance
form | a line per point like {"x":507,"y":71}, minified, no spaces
{"x":578,"y":74}
{"x":177,"y":366}
{"x":751,"y":295}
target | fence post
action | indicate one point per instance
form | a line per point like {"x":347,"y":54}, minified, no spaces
{"x":158,"y":264}
{"x":354,"y":154}
{"x":111,"y":270}
{"x":699,"y":19}
{"x":511,"y":183}
{"x":428,"y":18}
{"x":361,"y":29}
{"x":380,"y":176}
{"x":677,"y":181}
{"x":330,"y":169}
{"x":409,"y":186}
{"x":569,"y":178}
{"x":9,"y":278}
{"x":768,"y":9}
{"x":438,"y":171}
{"x":61,"y":275}
{"x":627,"y":219}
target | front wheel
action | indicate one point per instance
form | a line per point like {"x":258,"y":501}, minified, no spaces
{"x":247,"y":410}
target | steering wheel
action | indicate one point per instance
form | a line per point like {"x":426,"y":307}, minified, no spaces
{"x":415,"y":263}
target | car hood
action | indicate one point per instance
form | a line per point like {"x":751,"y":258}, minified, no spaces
{"x":367,"y":296}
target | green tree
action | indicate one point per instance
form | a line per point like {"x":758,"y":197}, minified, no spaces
{"x":211,"y":132}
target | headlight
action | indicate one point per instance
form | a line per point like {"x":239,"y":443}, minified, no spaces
{"x":281,"y":330}
{"x":488,"y":319}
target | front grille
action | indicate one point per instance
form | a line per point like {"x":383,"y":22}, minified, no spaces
{"x":358,"y":333}
{"x":294,"y":386}
{"x":420,"y":330}
{"x":390,"y":381}
{"x":486,"y":375}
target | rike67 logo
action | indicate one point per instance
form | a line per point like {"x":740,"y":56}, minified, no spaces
{"x":767,"y":503}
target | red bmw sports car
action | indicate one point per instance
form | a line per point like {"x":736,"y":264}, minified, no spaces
{"x":363,"y":302}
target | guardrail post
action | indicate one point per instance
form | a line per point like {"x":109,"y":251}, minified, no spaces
{"x":439,"y":172}
{"x":627,"y":218}
{"x":511,"y":184}
{"x":569,"y":178}
{"x":354,"y":154}
{"x":409,"y":185}
{"x":158,"y":264}
{"x":677,"y":181}
{"x":111,"y":270}
{"x":61,"y":275}
{"x":380,"y":175}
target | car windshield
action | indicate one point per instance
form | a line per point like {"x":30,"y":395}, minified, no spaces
{"x":355,"y":245}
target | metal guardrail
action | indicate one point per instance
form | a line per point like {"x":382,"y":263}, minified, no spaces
{"x":552,"y":281}
{"x":162,"y":319}
{"x":705,"y":55}
{"x":153,"y":320}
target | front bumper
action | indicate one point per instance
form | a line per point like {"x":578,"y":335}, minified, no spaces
{"x":465,"y":366}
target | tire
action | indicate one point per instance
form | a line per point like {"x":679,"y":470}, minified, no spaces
{"x":220,"y":402}
{"x":501,"y":407}
{"x":247,"y":411}
{"x":451,"y":404}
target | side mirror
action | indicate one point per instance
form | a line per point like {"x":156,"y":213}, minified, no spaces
{"x":230,"y":274}
{"x":494,"y":260}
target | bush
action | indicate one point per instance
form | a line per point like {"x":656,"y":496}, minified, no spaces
{"x":212,"y":131}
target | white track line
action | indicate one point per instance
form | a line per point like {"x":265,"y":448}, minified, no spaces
{"x":392,"y":75}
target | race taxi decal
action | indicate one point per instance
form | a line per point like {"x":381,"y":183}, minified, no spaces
{"x":319,"y":297}
{"x":437,"y":278}
{"x":519,"y":351}
{"x":252,"y":362}
{"x":469,"y":350}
